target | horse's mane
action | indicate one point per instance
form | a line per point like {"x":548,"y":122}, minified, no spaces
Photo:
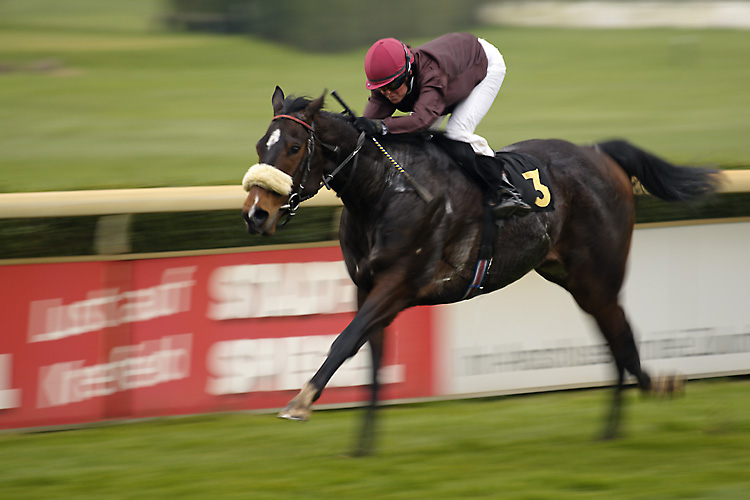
{"x":292,"y":104}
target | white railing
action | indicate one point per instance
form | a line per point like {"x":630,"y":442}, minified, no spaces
{"x":132,"y":201}
{"x":185,"y":199}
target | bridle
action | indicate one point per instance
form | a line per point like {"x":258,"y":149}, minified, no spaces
{"x":295,"y":198}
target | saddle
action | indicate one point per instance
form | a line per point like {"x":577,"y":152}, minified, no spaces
{"x":522,"y":170}
{"x":526,"y":174}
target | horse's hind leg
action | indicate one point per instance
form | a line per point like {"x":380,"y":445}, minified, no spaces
{"x":596,"y":292}
{"x":616,"y":329}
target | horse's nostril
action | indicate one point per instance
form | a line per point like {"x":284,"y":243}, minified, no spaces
{"x":260,"y":216}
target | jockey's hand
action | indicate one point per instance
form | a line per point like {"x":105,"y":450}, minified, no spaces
{"x":369,"y":127}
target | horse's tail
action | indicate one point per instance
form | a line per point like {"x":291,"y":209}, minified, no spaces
{"x":659,"y":177}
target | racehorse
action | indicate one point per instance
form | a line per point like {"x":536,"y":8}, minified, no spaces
{"x":402,"y":249}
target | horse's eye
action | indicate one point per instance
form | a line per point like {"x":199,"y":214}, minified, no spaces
{"x":293,"y":150}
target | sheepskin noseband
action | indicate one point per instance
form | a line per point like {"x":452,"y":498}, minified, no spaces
{"x":269,"y":178}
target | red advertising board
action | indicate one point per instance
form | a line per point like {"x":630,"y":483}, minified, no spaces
{"x":89,"y":341}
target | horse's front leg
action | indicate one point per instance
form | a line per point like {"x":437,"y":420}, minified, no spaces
{"x":377,"y":311}
{"x":367,"y":433}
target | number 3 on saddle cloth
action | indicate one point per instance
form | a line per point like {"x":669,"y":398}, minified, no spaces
{"x":524,"y":171}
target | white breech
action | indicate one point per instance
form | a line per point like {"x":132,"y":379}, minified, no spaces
{"x":467,"y":115}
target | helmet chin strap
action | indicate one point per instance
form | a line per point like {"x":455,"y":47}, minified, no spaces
{"x":410,"y":77}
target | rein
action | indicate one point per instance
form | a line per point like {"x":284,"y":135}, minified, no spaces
{"x":296,"y":198}
{"x":421,"y":191}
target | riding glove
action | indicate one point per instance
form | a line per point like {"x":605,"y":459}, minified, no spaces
{"x":369,"y":127}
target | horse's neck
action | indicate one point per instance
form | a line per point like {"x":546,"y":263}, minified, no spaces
{"x":361,"y":181}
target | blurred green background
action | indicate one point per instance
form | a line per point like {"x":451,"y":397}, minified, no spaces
{"x":99,"y":94}
{"x":117,"y":94}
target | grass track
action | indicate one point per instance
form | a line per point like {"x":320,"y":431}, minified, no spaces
{"x":527,"y":447}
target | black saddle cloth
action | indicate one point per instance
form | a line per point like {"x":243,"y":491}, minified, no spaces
{"x":523,"y":171}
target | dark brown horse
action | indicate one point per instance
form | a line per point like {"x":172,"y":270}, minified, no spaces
{"x":402,"y":251}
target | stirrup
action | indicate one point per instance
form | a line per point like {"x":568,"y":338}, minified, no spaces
{"x":510,"y":204}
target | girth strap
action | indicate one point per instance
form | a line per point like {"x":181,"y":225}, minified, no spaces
{"x":485,"y":252}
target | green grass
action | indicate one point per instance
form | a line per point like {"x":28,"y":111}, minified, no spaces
{"x":96,"y":95}
{"x":526,"y":447}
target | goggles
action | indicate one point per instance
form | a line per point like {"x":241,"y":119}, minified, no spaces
{"x":395,"y":84}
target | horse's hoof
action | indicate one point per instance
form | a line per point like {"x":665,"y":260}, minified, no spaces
{"x":299,"y":408}
{"x":295,"y":414}
{"x":669,"y":385}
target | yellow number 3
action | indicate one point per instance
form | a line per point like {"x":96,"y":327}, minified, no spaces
{"x":543,"y":200}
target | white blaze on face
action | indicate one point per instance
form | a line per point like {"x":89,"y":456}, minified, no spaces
{"x":273,"y":138}
{"x":268,"y":176}
{"x":251,"y":211}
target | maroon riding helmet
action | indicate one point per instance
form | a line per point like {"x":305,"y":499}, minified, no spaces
{"x":387,"y":60}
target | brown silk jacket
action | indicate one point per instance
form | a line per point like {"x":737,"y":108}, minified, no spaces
{"x":445,"y":71}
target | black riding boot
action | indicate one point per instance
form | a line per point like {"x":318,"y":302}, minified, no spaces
{"x":509,"y":201}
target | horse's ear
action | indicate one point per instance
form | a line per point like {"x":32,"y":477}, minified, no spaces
{"x":312,"y":109}
{"x":277,"y":100}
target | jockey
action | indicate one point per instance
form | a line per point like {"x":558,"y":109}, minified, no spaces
{"x":457,"y":74}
